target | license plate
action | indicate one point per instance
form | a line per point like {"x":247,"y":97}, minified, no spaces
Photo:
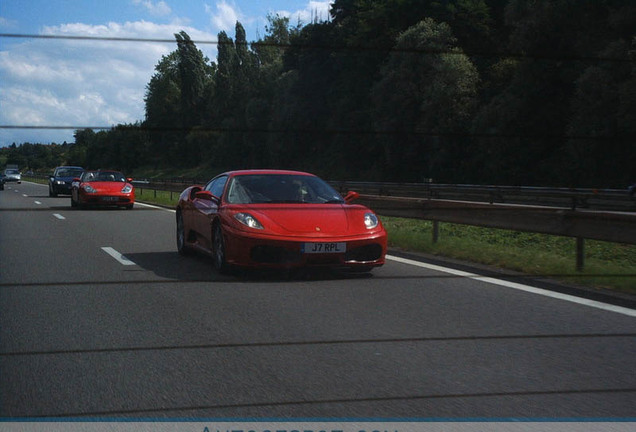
{"x":109,"y":198}
{"x":323,"y":248}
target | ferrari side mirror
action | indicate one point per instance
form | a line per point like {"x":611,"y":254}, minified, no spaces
{"x":207,"y":195}
{"x":351,"y":196}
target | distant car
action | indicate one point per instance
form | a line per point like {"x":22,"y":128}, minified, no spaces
{"x":60,"y":181}
{"x":102,"y":189}
{"x":278,"y":219}
{"x":12,"y":175}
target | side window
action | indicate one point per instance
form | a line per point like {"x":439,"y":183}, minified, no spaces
{"x":216,"y":186}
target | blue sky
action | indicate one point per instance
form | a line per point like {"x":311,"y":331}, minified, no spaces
{"x":60,"y":82}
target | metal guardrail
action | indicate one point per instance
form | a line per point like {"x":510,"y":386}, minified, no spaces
{"x":617,"y":227}
{"x":599,"y":199}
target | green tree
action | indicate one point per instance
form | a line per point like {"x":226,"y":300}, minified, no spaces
{"x":531,"y":116}
{"x":425,"y":98}
{"x":196,"y":77}
{"x":163,"y":109}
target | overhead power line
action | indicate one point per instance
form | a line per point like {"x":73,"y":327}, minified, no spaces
{"x":360,"y":48}
{"x":96,"y":38}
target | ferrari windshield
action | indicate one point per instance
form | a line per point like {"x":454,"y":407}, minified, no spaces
{"x":280,"y":188}
{"x":68,"y":172}
{"x":103,"y":176}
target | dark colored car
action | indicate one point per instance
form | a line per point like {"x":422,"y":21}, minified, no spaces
{"x":1,"y":181}
{"x":60,"y":181}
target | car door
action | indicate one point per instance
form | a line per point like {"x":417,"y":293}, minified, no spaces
{"x":205,"y":210}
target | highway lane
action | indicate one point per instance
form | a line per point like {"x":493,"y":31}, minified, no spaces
{"x":83,"y":334}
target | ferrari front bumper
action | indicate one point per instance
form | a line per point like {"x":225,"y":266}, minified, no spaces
{"x":253,"y":250}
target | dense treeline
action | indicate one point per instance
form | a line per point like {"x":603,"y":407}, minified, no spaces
{"x":510,"y":92}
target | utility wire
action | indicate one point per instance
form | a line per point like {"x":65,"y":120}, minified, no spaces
{"x":358,"y":48}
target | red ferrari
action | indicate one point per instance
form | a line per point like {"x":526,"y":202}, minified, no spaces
{"x":278,"y":219}
{"x":102,"y":188}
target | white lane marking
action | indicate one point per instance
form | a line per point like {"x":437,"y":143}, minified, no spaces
{"x":518,"y":286}
{"x":154,"y":207}
{"x":25,"y":195}
{"x":119,"y":257}
{"x":37,"y":202}
{"x":59,"y":216}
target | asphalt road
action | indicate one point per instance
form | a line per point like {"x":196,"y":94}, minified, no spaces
{"x":150,"y":334}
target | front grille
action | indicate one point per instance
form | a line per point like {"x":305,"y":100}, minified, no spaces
{"x":274,"y":255}
{"x":371,"y":252}
{"x":323,"y":260}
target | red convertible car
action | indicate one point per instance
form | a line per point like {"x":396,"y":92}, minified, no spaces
{"x":278,"y":219}
{"x":102,"y":188}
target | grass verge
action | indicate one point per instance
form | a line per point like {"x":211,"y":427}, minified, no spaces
{"x":607,"y":265}
{"x":151,"y":196}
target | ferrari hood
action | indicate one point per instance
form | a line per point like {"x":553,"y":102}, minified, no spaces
{"x":306,"y":219}
{"x":107,"y":187}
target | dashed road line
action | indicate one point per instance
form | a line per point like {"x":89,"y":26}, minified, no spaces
{"x":119,"y":257}
{"x":59,"y":216}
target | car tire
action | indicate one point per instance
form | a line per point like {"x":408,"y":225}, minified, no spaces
{"x":218,"y":246}
{"x":182,"y":248}
{"x":52,"y":192}
{"x":73,"y":202}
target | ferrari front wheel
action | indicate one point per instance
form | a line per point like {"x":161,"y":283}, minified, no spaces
{"x":218,"y":244}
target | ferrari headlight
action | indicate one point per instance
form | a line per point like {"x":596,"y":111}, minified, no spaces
{"x":248,"y":220}
{"x":370,"y":220}
{"x":127,"y":189}
{"x":89,"y":189}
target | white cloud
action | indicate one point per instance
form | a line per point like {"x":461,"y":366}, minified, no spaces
{"x":224,"y":16}
{"x":8,"y":24}
{"x":158,"y":9}
{"x":313,"y":11}
{"x":62,"y":82}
